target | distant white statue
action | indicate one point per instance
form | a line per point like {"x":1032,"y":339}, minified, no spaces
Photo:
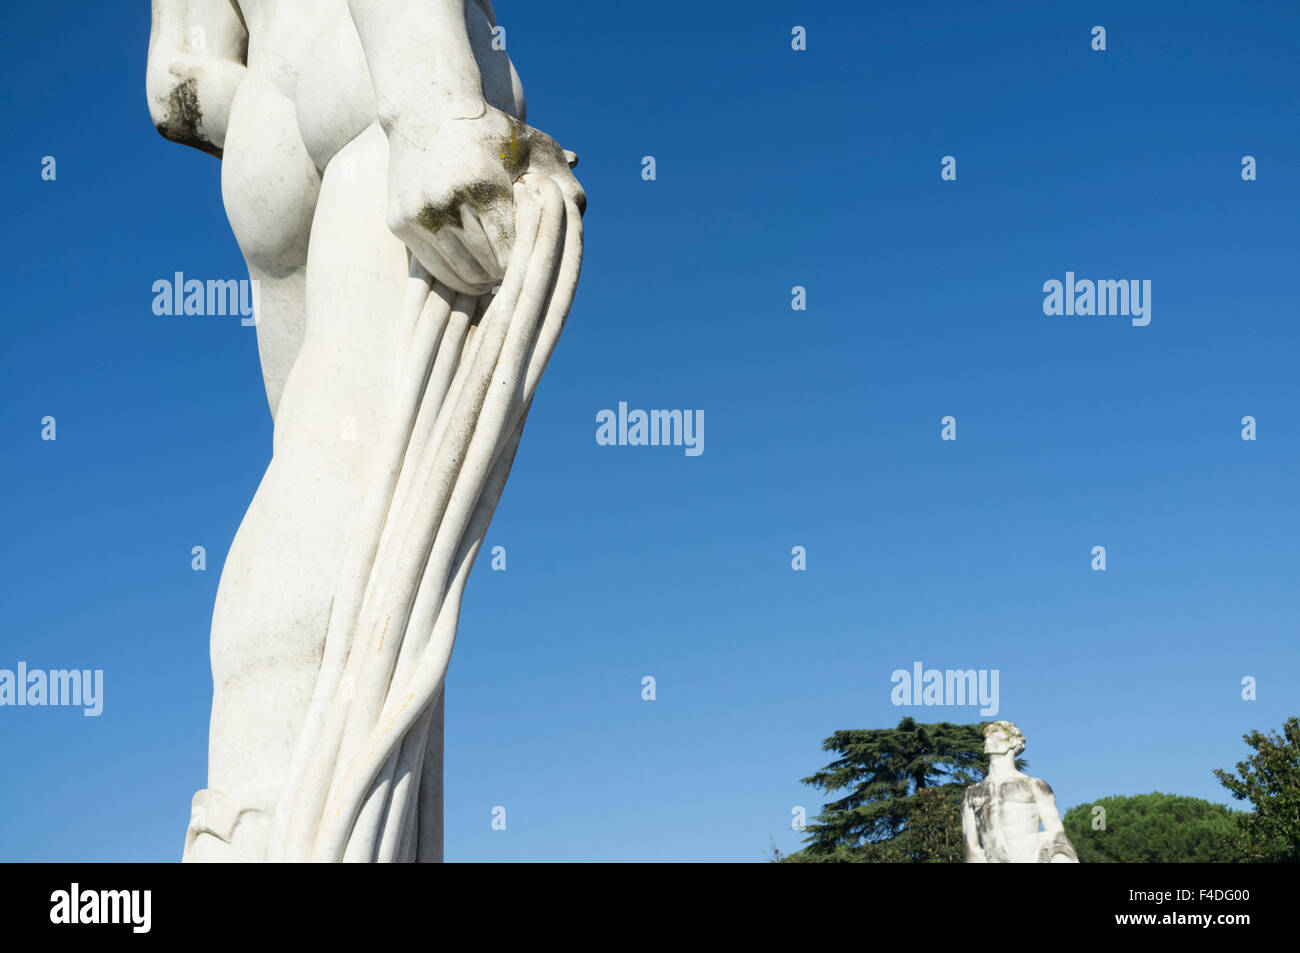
{"x":417,"y":248}
{"x":1001,"y":816}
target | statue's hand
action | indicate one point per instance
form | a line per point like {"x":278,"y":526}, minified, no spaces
{"x":451,"y":193}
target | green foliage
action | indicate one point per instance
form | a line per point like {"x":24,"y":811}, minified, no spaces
{"x":904,"y":794}
{"x":1156,"y":829}
{"x":931,"y":835}
{"x":1270,"y":780}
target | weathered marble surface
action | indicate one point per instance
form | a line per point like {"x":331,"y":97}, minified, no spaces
{"x":1001,"y":815}
{"x":381,"y":182}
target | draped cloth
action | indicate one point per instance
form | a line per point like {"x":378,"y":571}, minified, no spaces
{"x":364,"y":782}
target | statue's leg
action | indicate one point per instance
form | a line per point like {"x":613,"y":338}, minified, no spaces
{"x":269,"y":618}
{"x":280,"y":577}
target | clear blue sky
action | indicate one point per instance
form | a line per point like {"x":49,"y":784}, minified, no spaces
{"x":775,"y":169}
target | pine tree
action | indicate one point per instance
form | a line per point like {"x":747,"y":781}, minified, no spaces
{"x":1155,"y":829}
{"x":904,"y":794}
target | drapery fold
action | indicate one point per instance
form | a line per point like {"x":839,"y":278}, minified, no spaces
{"x":357,"y":788}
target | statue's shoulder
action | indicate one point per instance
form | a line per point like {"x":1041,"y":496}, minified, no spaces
{"x":1041,"y":786}
{"x":978,"y":790}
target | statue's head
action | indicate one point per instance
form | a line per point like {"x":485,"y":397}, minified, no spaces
{"x":1001,"y":737}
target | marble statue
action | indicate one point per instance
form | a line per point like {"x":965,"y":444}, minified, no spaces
{"x":1001,"y":815}
{"x":417,"y":248}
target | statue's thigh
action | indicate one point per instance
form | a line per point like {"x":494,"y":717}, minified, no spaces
{"x":280,"y":578}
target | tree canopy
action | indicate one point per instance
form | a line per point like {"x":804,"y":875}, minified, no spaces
{"x":1270,"y":780}
{"x":1154,"y":829}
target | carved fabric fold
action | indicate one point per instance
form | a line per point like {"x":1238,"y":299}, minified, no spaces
{"x":364,"y":783}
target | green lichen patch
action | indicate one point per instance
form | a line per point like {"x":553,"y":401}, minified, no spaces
{"x":184,"y":117}
{"x":513,"y":150}
{"x":479,"y":196}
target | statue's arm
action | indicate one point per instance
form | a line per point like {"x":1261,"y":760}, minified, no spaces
{"x":455,"y":157}
{"x":1045,"y":801}
{"x":421,"y":62}
{"x":197,"y":56}
{"x":970,"y":832}
{"x":1059,"y":849}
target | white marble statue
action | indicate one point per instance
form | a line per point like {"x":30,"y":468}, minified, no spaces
{"x":417,"y":248}
{"x":1001,"y":816}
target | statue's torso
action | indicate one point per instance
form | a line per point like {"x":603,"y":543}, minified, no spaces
{"x":1007,"y":817}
